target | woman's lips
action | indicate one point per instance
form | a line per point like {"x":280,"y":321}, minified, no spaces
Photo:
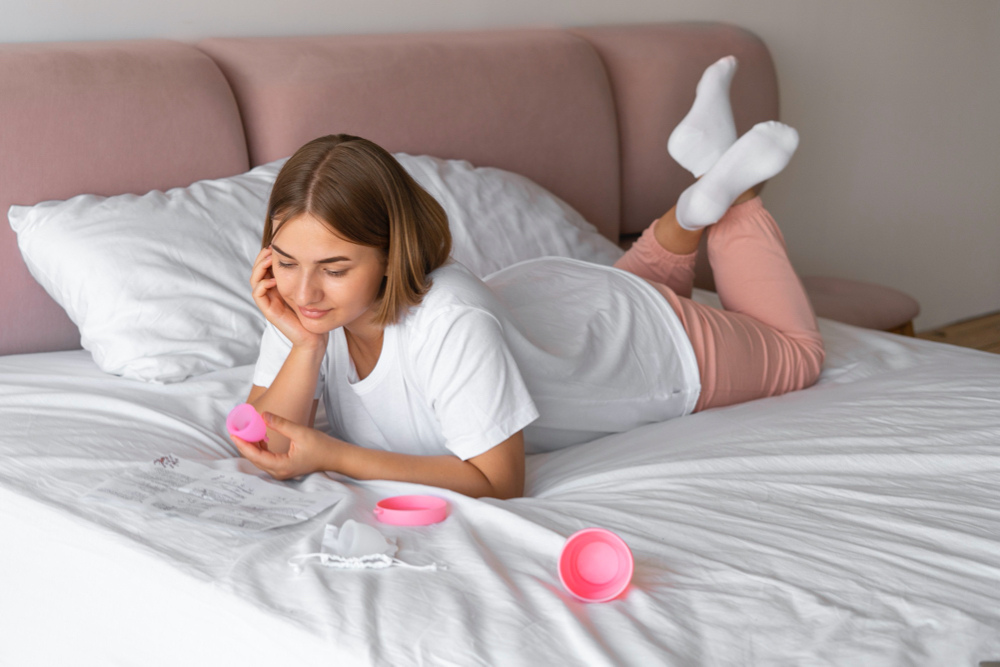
{"x":313,"y":314}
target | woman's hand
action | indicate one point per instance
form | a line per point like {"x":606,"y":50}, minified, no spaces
{"x":309,"y":450}
{"x":277,"y":312}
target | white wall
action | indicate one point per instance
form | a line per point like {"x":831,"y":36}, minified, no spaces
{"x":897,"y":178}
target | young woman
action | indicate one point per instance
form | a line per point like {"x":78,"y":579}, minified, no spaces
{"x":430,"y":375}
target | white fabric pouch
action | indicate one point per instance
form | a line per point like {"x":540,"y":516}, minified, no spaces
{"x":356,"y":546}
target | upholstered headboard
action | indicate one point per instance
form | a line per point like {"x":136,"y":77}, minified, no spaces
{"x":585,"y":112}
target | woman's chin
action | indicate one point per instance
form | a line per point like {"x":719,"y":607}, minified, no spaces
{"x":320,"y":326}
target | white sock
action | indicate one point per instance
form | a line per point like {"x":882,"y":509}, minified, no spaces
{"x":707,"y":130}
{"x":758,"y":155}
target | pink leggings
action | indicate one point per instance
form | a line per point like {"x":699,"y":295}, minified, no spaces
{"x":766,"y":341}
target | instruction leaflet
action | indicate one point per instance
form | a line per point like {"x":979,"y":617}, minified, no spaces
{"x":176,"y":485}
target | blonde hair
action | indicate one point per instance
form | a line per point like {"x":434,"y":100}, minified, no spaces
{"x":365,"y":196}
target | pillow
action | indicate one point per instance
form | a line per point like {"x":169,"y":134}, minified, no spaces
{"x":158,"y":284}
{"x":499,"y":218}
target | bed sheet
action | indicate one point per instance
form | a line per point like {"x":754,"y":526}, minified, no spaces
{"x":854,"y":522}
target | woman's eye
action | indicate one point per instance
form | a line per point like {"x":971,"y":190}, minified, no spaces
{"x":335,"y":273}
{"x":285,"y":265}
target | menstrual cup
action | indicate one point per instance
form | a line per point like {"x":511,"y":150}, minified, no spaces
{"x":411,"y":510}
{"x":246,"y":424}
{"x":595,"y":565}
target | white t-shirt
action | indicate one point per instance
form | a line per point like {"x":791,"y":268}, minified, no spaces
{"x":567,"y":350}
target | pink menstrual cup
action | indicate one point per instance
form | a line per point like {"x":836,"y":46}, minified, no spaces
{"x":411,"y":510}
{"x":244,"y":422}
{"x":595,"y":565}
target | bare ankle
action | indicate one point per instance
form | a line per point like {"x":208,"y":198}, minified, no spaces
{"x":674,"y":238}
{"x":746,"y":196}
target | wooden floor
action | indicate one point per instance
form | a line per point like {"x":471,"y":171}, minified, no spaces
{"x":981,"y":333}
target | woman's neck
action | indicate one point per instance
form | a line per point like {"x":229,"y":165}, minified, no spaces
{"x":367,"y":342}
{"x":364,"y":344}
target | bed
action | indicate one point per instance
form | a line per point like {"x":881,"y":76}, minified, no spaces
{"x":852,"y":523}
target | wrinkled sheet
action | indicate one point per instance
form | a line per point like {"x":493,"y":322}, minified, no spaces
{"x":856,"y":522}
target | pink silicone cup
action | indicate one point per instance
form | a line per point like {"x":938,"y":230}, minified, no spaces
{"x":411,"y":510}
{"x":246,"y":424}
{"x":595,"y":565}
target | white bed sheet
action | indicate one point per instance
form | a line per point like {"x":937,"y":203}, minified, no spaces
{"x":853,"y":523}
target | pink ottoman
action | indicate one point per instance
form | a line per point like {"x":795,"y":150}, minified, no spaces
{"x":862,"y":304}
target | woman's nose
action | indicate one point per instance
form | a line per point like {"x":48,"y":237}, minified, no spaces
{"x":308,"y":291}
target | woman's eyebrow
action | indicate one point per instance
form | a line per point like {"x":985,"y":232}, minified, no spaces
{"x":328,"y":260}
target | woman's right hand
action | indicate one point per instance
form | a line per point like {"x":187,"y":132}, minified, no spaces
{"x":277,"y":312}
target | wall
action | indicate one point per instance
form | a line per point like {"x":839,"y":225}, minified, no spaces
{"x":897,"y":178}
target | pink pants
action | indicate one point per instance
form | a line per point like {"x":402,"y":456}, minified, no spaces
{"x":766,"y":341}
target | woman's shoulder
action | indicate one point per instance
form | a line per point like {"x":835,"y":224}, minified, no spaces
{"x":455,"y":291}
{"x":453,"y":285}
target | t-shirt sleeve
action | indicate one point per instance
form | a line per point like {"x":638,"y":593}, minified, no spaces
{"x":471,"y":381}
{"x":274,"y":349}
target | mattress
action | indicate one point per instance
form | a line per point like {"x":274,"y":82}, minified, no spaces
{"x":856,"y":522}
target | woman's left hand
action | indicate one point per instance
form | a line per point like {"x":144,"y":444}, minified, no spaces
{"x":309,"y":450}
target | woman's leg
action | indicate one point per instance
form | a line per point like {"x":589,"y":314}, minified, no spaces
{"x":766,"y":342}
{"x":664,"y":254}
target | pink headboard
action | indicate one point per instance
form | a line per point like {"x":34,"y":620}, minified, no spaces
{"x":536,"y":102}
{"x":102,"y":118}
{"x":654,"y":70}
{"x":586,"y":113}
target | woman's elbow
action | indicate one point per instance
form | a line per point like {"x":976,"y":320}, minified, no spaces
{"x":506,"y":490}
{"x":506,"y":494}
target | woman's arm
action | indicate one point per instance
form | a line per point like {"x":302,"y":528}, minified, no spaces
{"x":497,"y":473}
{"x":291,"y":393}
{"x":257,"y":391}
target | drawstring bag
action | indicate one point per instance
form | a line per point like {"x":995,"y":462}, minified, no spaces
{"x":356,"y":546}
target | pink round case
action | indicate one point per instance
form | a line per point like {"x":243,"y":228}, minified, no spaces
{"x":595,"y":565}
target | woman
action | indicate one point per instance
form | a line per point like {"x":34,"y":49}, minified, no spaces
{"x":430,"y":375}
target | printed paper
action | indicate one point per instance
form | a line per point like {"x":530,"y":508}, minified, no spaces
{"x":171,"y":484}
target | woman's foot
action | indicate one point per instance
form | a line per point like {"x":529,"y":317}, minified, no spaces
{"x":758,"y":155}
{"x":707,"y":130}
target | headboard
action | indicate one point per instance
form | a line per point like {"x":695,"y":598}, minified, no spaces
{"x":585,"y":112}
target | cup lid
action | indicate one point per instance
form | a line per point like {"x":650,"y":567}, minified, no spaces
{"x":411,"y":510}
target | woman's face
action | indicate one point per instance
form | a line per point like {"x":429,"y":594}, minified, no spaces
{"x":328,"y":281}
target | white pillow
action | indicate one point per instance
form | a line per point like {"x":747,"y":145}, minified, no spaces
{"x":158,"y":284}
{"x":499,"y":218}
